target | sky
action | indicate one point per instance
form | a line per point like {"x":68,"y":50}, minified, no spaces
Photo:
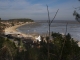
{"x":37,"y":10}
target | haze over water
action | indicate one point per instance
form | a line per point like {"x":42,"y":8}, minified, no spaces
{"x":42,"y":27}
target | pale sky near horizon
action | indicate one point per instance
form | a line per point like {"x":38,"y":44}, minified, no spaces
{"x":36,"y":9}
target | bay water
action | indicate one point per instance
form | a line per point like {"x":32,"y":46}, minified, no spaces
{"x":42,"y":28}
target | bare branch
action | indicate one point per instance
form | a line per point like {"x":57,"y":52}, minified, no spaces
{"x":48,"y":14}
{"x":49,"y":22}
{"x":49,"y":32}
{"x":54,"y":16}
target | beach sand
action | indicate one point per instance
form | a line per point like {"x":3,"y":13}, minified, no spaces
{"x":13,"y":30}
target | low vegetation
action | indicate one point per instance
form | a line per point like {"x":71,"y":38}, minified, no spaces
{"x":19,"y":20}
{"x":70,"y":50}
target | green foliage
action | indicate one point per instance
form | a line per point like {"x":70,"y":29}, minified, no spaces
{"x":22,"y":20}
{"x":70,"y":51}
{"x":33,"y":54}
{"x":1,"y":41}
{"x":7,"y":50}
{"x":70,"y":48}
{"x":76,"y":14}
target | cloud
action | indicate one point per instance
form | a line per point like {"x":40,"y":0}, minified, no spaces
{"x":26,"y":9}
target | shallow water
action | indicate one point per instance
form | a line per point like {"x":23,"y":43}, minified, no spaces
{"x":73,"y":29}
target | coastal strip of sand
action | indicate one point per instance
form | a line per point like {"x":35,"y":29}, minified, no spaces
{"x":12,"y":30}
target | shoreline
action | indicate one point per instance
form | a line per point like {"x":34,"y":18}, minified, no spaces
{"x":13,"y":30}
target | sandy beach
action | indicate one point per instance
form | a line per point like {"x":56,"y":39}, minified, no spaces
{"x":13,"y":30}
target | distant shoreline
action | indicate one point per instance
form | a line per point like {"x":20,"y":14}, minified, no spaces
{"x":58,"y":21}
{"x":13,"y":29}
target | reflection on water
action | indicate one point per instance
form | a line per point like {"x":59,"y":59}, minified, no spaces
{"x":73,"y":29}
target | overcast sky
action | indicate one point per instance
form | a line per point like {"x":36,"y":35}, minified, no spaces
{"x":36,"y":9}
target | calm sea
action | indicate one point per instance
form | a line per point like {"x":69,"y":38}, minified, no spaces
{"x":41,"y":27}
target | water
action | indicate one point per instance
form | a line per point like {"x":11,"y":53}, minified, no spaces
{"x":72,"y":28}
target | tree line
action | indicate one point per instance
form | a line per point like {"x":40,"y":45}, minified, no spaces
{"x":19,"y":20}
